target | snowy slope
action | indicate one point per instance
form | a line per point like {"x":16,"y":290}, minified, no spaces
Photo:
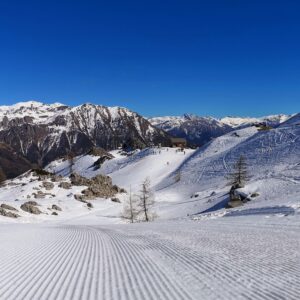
{"x":294,"y":120}
{"x":21,"y":190}
{"x":273,"y":164}
{"x":156,"y":164}
{"x":272,"y":120}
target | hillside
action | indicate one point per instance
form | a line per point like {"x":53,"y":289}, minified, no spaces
{"x":272,"y":158}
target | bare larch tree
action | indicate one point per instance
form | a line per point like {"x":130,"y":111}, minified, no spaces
{"x":146,"y":201}
{"x":130,"y":208}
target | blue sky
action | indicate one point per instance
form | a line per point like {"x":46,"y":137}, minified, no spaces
{"x":156,"y":57}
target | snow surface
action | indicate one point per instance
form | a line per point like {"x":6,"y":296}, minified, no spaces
{"x":228,"y":258}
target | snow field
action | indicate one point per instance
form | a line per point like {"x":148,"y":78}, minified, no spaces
{"x":228,"y":258}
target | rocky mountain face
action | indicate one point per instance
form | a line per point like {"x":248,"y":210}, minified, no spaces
{"x":41,"y":133}
{"x":11,"y":163}
{"x":197,"y":130}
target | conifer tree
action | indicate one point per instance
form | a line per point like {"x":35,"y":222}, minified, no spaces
{"x":239,"y":175}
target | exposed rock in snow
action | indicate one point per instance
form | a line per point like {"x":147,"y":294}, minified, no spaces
{"x":48,"y":185}
{"x":65,"y":185}
{"x":8,"y":214}
{"x":31,"y":208}
{"x":56,"y":207}
{"x":8,"y":207}
{"x":99,"y":186}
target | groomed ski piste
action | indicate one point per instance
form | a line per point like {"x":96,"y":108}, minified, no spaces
{"x":195,"y":249}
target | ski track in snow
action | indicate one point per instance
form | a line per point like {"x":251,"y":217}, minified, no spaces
{"x":225,"y":259}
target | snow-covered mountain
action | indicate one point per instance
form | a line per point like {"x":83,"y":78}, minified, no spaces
{"x":272,"y":120}
{"x":200,"y":130}
{"x":197,"y":130}
{"x":40,"y":133}
{"x":293,"y":121}
{"x":43,"y":132}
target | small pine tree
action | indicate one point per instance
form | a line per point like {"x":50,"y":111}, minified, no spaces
{"x":70,"y":158}
{"x":177,"y":176}
{"x":146,"y":201}
{"x":239,"y":174}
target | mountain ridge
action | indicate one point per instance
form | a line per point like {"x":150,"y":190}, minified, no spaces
{"x":39,"y":133}
{"x":43,"y":132}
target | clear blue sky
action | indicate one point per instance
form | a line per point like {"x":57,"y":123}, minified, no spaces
{"x":211,"y":57}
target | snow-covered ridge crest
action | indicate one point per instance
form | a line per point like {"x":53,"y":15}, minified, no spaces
{"x":246,"y":121}
{"x":43,"y":113}
{"x":29,"y":105}
{"x":38,"y":112}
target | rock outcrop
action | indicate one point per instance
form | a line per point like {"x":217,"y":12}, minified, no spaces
{"x":48,"y":185}
{"x":8,"y":207}
{"x":99,"y":186}
{"x":65,"y":185}
{"x":8,"y":214}
{"x":236,"y":198}
{"x":56,"y":207}
{"x":31,"y":207}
